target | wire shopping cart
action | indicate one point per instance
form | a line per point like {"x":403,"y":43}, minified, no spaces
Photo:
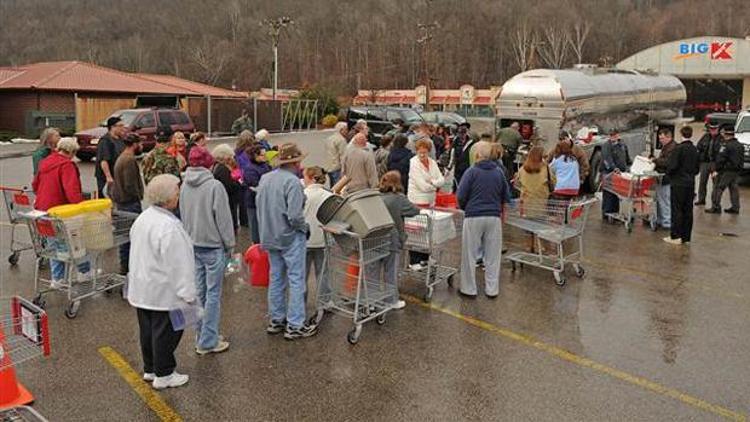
{"x":17,"y":201}
{"x":77,"y":243}
{"x":351,"y":284}
{"x":636,"y":195}
{"x":24,"y":335}
{"x":555,"y":222}
{"x":436,"y":232}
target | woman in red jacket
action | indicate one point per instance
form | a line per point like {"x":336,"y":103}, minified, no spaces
{"x":58,"y":182}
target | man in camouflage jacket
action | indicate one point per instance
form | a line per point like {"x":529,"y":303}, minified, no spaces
{"x":159,"y":161}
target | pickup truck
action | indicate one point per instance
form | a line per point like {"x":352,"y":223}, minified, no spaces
{"x":742,"y":133}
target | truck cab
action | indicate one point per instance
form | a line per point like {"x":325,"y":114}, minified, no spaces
{"x":742,"y":133}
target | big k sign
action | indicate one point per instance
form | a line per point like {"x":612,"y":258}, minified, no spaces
{"x":703,"y":57}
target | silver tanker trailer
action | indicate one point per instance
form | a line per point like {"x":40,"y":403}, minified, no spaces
{"x":545,"y":101}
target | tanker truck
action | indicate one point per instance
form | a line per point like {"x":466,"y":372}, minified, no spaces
{"x":587,"y":102}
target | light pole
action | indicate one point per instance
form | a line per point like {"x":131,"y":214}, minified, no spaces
{"x":274,"y":30}
{"x":424,"y":39}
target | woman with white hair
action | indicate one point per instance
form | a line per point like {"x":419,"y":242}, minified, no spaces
{"x":161,"y":279}
{"x":261,"y":137}
{"x":58,"y":182}
{"x":224,"y":171}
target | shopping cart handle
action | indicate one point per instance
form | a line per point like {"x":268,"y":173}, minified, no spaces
{"x":337,"y":227}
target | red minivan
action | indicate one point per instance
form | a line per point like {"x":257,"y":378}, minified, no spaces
{"x":142,"y":121}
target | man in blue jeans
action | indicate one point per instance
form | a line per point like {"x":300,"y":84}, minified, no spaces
{"x":283,"y":233}
{"x":205,"y":213}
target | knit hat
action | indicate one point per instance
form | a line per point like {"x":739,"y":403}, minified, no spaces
{"x":200,"y":157}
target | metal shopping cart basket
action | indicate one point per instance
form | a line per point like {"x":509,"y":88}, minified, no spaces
{"x":77,"y":244}
{"x":24,"y":335}
{"x":637,"y":197}
{"x":351,"y":284}
{"x":17,"y":201}
{"x":555,"y":222}
{"x":436,"y":232}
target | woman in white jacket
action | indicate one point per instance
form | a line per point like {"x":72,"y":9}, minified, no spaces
{"x":424,"y":176}
{"x":161,"y":278}
{"x":315,"y":193}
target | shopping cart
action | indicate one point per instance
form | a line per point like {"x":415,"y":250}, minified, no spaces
{"x":637,"y":197}
{"x":24,"y":335}
{"x":436,"y":232}
{"x":17,"y":201}
{"x":73,"y":245}
{"x":555,"y":222}
{"x":352,"y":284}
{"x":21,"y":414}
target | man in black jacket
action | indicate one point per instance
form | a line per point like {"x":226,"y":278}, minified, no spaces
{"x":728,"y":166}
{"x":462,"y":144}
{"x":682,"y":166}
{"x":708,"y":148}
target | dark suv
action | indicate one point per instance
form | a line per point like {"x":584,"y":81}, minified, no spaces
{"x":380,"y":118}
{"x":142,"y":121}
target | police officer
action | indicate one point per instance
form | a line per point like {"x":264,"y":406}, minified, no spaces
{"x":708,"y":147}
{"x":728,"y":166}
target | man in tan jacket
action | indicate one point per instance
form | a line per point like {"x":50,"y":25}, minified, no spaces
{"x":359,"y":165}
{"x":336,"y":148}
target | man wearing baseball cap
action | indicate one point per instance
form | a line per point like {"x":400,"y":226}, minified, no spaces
{"x":708,"y":148}
{"x":107,"y":150}
{"x":280,"y":205}
{"x":727,"y":170}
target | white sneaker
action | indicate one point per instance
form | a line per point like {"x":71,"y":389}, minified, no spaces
{"x":172,"y":380}
{"x":221,"y":346}
{"x":399,"y":305}
{"x":669,"y":240}
{"x":149,"y":376}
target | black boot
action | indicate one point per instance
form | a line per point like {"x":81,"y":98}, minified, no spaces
{"x":713,"y":210}
{"x":732,"y":211}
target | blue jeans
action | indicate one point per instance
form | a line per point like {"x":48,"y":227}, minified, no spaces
{"x":663,"y":206}
{"x":134,"y":207}
{"x":209,"y":275}
{"x":57,"y":268}
{"x":288,"y":272}
{"x":252,"y":221}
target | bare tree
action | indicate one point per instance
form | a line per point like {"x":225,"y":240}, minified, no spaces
{"x":525,"y":42}
{"x":577,"y":40}
{"x":554,"y":49}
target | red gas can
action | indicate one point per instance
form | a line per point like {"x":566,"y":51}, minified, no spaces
{"x":257,"y":261}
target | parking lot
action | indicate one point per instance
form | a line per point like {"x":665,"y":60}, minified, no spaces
{"x":651,"y":332}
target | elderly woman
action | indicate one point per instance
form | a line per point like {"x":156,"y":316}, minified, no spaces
{"x":204,"y":210}
{"x":58,"y":182}
{"x":424,"y":175}
{"x":161,"y":279}
{"x":261,"y":137}
{"x":223,"y":172}
{"x":47,"y":143}
{"x":178,"y":149}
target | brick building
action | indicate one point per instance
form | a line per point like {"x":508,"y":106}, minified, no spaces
{"x":76,"y":95}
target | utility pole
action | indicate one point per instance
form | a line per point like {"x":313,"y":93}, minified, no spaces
{"x":425,"y":37}
{"x":275,"y":26}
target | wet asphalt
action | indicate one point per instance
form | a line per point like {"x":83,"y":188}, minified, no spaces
{"x":651,"y":332}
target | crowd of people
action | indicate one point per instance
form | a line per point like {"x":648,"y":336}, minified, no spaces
{"x":199,"y":200}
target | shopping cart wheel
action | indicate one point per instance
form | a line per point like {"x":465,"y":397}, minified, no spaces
{"x":380,"y":319}
{"x":580,"y":271}
{"x":13,"y":259}
{"x":319,"y":316}
{"x":353,"y":336}
{"x":71,"y":311}
{"x":428,"y":295}
{"x":653,"y":225}
{"x":449,"y":280}
{"x":629,"y":226}
{"x":39,"y":301}
{"x":512,"y":266}
{"x":559,"y":278}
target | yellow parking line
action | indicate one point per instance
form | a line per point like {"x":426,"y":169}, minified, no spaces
{"x":146,"y":393}
{"x":585,"y":362}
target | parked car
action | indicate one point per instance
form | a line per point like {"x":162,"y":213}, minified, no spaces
{"x":721,"y":119}
{"x":742,"y":133}
{"x":446,"y":118}
{"x":380,"y":118}
{"x":142,"y":121}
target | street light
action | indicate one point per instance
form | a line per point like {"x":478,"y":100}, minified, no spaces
{"x":426,"y":30}
{"x":274,"y":30}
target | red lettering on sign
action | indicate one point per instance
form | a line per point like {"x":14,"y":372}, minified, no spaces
{"x":720,"y":50}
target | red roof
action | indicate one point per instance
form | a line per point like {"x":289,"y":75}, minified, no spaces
{"x":88,"y":77}
{"x":193,"y":86}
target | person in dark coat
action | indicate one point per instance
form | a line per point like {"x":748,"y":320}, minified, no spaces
{"x":615,"y":159}
{"x":682,"y":167}
{"x":251,"y":175}
{"x":110,"y":147}
{"x":708,"y":148}
{"x":462,"y":144}
{"x":223,"y":171}
{"x":663,"y":190}
{"x":399,"y":159}
{"x":728,"y":165}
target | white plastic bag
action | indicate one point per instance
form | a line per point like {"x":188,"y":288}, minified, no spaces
{"x":641,"y":165}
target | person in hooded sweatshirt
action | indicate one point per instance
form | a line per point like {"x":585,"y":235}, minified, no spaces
{"x":58,"y":182}
{"x":204,"y":210}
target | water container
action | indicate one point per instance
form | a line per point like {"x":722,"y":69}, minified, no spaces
{"x":98,"y":231}
{"x":72,"y":217}
{"x":257,"y":261}
{"x":186,"y":316}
